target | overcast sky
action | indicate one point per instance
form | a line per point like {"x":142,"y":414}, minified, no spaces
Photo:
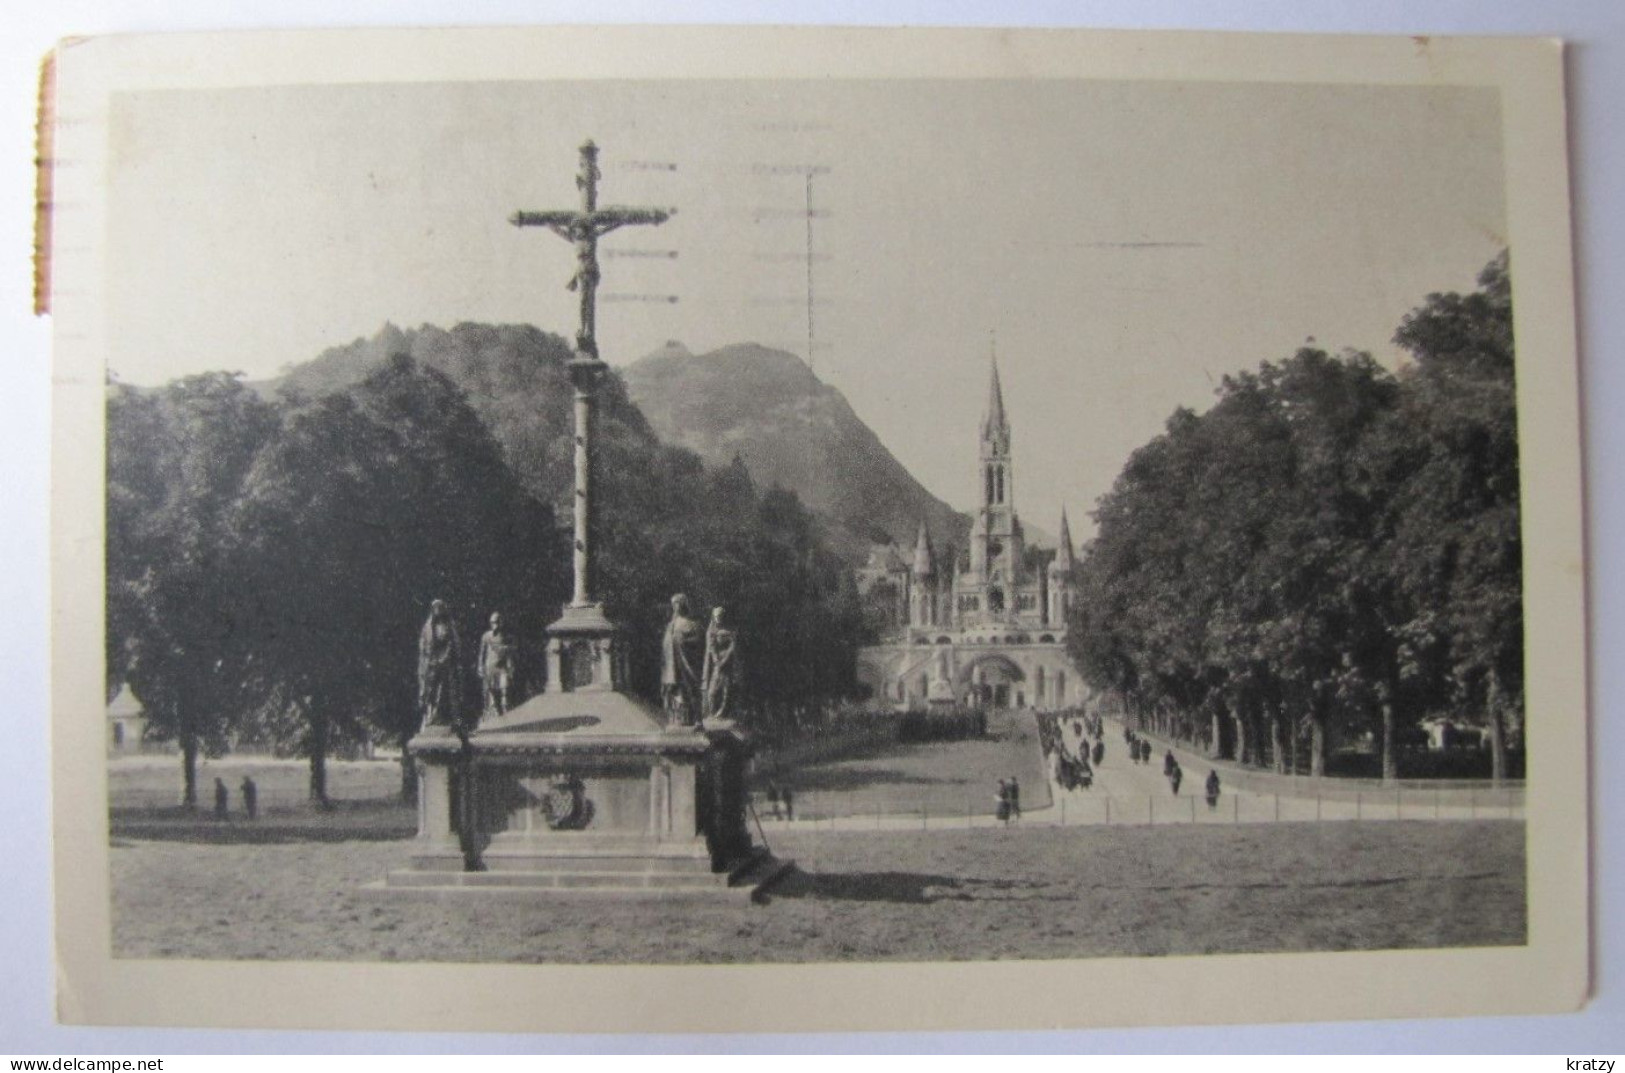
{"x":1128,"y":243}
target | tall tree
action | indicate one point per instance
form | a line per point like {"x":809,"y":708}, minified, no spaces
{"x":493,"y":547}
{"x":140,"y":459}
{"x":176,"y":461}
{"x":665,"y":522}
{"x":1328,"y":544}
{"x":369,"y":505}
{"x":1223,"y":554}
{"x":1458,"y":522}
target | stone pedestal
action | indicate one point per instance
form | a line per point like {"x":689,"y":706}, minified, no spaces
{"x":582,"y":788}
{"x":582,"y":791}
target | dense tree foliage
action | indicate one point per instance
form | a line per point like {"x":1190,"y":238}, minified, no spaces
{"x":1458,"y":546}
{"x":176,"y":611}
{"x":366,"y":507}
{"x":665,"y":522}
{"x":270,"y":561}
{"x":1329,"y":551}
{"x":668,"y":525}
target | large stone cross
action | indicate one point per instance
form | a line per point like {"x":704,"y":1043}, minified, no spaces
{"x":584,"y":227}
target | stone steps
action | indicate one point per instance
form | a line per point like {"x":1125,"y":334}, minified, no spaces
{"x":554,"y":878}
{"x":561,"y":877}
{"x":672,"y":866}
{"x":600,"y":862}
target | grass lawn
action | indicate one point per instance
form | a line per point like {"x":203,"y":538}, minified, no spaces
{"x":1035,"y":893}
{"x":154,"y":781}
{"x":943,"y":778}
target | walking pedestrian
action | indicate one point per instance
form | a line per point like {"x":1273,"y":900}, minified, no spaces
{"x":222,"y":800}
{"x":773,"y":800}
{"x":1213,"y":788}
{"x":1099,"y":751}
{"x":251,"y":797}
{"x":1175,"y":778}
{"x":1015,"y":798}
{"x":789,"y":804}
{"x":1002,"y":810}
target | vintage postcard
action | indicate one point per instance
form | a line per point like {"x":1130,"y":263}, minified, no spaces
{"x":742,"y":530}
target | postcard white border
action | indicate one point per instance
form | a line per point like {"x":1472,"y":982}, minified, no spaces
{"x":1549,"y":974}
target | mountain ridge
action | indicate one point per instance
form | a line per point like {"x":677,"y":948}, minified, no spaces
{"x":762,"y":405}
{"x":768,"y":408}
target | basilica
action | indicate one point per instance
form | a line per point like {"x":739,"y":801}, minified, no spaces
{"x":985,"y":627}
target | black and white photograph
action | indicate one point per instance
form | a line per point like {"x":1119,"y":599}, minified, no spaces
{"x":1084,"y":517}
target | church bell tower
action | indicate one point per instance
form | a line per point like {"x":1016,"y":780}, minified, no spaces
{"x":996,"y":536}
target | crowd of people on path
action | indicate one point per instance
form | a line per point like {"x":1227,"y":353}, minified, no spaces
{"x":1077,"y":751}
{"x":1176,"y":775}
{"x":1074,"y":769}
{"x":1139,"y":750}
{"x":1074,"y":745}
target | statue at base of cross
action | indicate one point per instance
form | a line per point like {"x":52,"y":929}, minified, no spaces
{"x":682,"y":655}
{"x":496,"y":667}
{"x":724,"y":671}
{"x":440,"y":659}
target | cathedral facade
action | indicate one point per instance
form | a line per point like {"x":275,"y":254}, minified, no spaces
{"x":986,"y":626}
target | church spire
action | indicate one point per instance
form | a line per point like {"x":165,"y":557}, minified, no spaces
{"x":1064,"y":554}
{"x":993,"y":420}
{"x":925,"y":557}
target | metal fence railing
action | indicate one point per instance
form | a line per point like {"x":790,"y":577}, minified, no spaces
{"x":892,"y":811}
{"x":859,"y":809}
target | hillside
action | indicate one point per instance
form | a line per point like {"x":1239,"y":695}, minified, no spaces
{"x":514,"y":377}
{"x":791,"y":429}
{"x":765,"y":406}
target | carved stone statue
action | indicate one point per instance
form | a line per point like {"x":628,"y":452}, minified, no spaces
{"x":940,"y":689}
{"x":682,"y":651}
{"x":496,"y":666}
{"x":723,"y":670}
{"x":440,"y":659}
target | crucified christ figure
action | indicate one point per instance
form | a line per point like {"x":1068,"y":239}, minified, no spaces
{"x":584,"y":227}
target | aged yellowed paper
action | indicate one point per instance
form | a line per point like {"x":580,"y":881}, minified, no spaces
{"x":891,"y":206}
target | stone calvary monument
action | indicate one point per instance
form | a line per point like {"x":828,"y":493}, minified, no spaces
{"x":584,"y":788}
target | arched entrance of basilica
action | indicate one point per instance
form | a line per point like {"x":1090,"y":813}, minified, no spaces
{"x":992,"y":681}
